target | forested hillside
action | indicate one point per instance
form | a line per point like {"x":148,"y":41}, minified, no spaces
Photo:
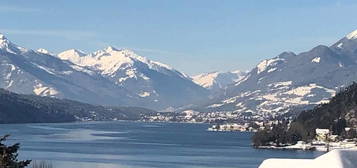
{"x":339,"y":113}
{"x":17,"y":108}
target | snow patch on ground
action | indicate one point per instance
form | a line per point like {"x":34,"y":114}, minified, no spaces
{"x":144,"y":77}
{"x":231,"y":100}
{"x":262,"y":66}
{"x":144,"y":94}
{"x":316,"y":60}
{"x":162,"y":65}
{"x":41,"y":90}
{"x":279,"y":97}
{"x":272,"y":70}
{"x":242,"y":80}
{"x":215,"y":105}
{"x":67,"y":72}
{"x":82,"y":69}
{"x":340,"y":45}
{"x":352,"y":35}
{"x":205,"y":80}
{"x":304,"y":90}
{"x":43,"y":51}
{"x":9,"y":74}
{"x":48,"y":70}
{"x":280,"y":84}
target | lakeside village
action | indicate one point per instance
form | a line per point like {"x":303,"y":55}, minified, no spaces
{"x":323,"y":141}
{"x":230,"y":121}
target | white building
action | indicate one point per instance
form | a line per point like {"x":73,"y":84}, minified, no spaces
{"x":322,"y":131}
{"x":322,"y":134}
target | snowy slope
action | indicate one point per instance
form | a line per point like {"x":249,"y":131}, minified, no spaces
{"x":155,"y":84}
{"x":292,"y":80}
{"x":108,"y":77}
{"x":33,"y":72}
{"x":218,"y":81}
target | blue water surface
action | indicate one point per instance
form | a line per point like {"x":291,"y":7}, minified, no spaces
{"x":122,"y":144}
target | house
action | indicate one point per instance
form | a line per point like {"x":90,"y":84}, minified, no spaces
{"x":322,"y":134}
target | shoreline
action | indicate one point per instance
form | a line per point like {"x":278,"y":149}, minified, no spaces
{"x":287,"y":148}
{"x":309,"y":147}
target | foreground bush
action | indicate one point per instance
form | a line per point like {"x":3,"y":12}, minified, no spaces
{"x":8,"y":155}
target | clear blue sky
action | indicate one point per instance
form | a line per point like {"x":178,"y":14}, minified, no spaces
{"x":191,"y":35}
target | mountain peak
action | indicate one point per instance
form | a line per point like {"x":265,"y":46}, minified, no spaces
{"x":71,"y":54}
{"x":352,"y":35}
{"x":216,"y":81}
{"x":3,"y":40}
{"x":2,"y":37}
{"x":110,"y":49}
{"x":286,"y":54}
{"x":6,"y":45}
{"x":239,"y":72}
{"x":73,"y":51}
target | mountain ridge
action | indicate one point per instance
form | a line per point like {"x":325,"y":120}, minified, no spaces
{"x":97,"y":78}
{"x":20,"y":108}
{"x":291,"y":80}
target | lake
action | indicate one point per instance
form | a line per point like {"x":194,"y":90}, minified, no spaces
{"x":122,"y":144}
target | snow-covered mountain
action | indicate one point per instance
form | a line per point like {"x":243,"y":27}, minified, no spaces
{"x":218,"y":81}
{"x":34,"y":72}
{"x":292,"y":80}
{"x":108,"y":77}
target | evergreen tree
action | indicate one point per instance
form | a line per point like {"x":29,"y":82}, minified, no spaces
{"x":8,"y":155}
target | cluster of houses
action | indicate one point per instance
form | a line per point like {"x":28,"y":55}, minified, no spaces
{"x":191,"y":116}
{"x":326,"y":141}
{"x":230,"y":127}
{"x":244,"y":127}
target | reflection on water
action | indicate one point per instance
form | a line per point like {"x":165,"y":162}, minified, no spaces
{"x":83,"y":135}
{"x":139,"y":145}
{"x":87,"y":164}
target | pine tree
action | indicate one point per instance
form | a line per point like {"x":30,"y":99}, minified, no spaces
{"x":8,"y":155}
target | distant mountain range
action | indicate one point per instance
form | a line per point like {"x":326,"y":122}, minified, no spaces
{"x":217,"y":82}
{"x":291,"y":81}
{"x":120,"y":77}
{"x":107,"y":77}
{"x":18,"y":108}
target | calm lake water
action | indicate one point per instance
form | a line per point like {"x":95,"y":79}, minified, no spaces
{"x":123,"y":144}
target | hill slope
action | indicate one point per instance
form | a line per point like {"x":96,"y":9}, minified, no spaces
{"x":17,"y":108}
